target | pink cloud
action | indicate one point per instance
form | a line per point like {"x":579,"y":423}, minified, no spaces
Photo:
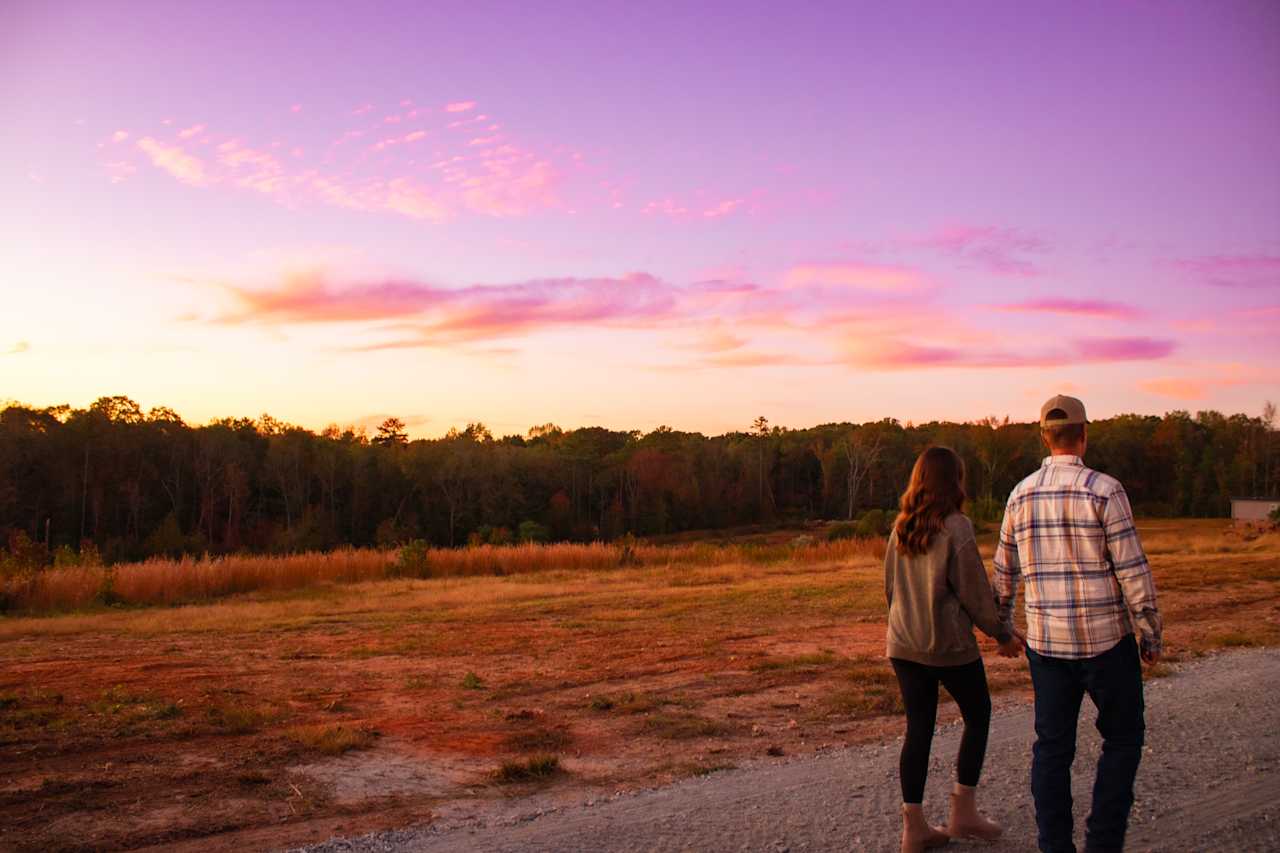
{"x":759,"y":359}
{"x":1123,"y":349}
{"x":511,"y":188}
{"x":172,"y":159}
{"x":724,"y":208}
{"x":856,"y":276}
{"x":119,"y":171}
{"x":310,"y":298}
{"x":504,"y":180}
{"x":1178,"y":388}
{"x":296,"y":108}
{"x":995,"y":250}
{"x":1235,"y":271}
{"x":255,"y":170}
{"x":424,"y":314}
{"x":459,"y":106}
{"x":120,"y":136}
{"x":715,"y":319}
{"x":413,"y":199}
{"x":1210,"y":378}
{"x":1096,"y":308}
{"x":895,"y":353}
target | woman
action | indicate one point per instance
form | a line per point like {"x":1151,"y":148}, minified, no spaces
{"x":938,"y":590}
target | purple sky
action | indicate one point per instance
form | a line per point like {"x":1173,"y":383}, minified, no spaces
{"x":636,"y":214}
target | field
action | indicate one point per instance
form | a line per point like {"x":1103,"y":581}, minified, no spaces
{"x":288,"y":714}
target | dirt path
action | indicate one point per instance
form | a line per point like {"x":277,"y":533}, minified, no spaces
{"x":1210,"y":780}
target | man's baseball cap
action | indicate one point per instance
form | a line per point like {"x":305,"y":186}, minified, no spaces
{"x":1062,"y":410}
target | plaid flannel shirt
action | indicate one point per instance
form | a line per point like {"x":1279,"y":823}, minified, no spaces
{"x":1068,"y":530}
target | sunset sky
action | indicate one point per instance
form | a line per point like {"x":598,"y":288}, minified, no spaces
{"x":633,"y":214}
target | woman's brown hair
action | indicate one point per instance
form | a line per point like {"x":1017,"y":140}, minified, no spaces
{"x":936,"y":490}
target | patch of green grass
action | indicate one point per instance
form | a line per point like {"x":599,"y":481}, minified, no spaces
{"x":416,"y":682}
{"x":239,"y":719}
{"x":1233,"y":640}
{"x":864,"y":702}
{"x":797,"y":662}
{"x":129,"y":708}
{"x":682,"y":726}
{"x":331,"y":740}
{"x":696,"y":768}
{"x":471,"y":681}
{"x":538,"y":768}
{"x":632,"y":702}
{"x":542,"y":740}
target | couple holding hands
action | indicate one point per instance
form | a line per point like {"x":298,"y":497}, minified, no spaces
{"x":1068,"y":535}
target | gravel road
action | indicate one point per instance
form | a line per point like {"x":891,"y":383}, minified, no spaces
{"x":1210,"y":780}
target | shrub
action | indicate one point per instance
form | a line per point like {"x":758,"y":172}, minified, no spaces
{"x":412,"y":561}
{"x":986,"y":510}
{"x":539,"y":767}
{"x":874,"y":522}
{"x":331,"y":740}
{"x":532,"y":531}
{"x":843,"y":530}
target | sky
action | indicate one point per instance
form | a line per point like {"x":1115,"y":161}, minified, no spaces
{"x":632,"y":215}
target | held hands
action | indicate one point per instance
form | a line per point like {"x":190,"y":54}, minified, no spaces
{"x":1012,"y":647}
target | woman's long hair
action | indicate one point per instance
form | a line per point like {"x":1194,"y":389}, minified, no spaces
{"x":936,"y":490}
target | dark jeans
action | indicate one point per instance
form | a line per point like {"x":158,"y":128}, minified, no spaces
{"x":967,"y":684}
{"x":1113,"y":681}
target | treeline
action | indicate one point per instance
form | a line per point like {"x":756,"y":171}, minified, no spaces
{"x":133,"y":484}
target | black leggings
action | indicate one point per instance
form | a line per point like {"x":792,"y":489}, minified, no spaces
{"x":967,"y":684}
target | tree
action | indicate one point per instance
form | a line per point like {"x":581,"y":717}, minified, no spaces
{"x":861,"y":447}
{"x":391,"y":431}
{"x":761,"y":428}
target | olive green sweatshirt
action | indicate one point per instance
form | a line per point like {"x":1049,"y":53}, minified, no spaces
{"x":936,"y":598}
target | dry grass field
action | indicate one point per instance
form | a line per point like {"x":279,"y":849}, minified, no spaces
{"x":302,"y":702}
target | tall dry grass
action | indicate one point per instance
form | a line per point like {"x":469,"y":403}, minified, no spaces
{"x":202,"y":579}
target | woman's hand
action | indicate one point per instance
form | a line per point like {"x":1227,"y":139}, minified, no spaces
{"x":1012,"y":647}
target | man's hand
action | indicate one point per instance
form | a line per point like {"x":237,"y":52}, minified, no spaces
{"x":1150,"y":656}
{"x":1011,"y":647}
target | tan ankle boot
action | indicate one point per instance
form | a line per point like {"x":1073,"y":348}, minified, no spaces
{"x":917,"y":834}
{"x":965,"y":821}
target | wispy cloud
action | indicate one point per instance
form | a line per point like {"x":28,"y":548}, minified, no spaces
{"x":995,"y":250}
{"x":460,"y":106}
{"x":431,"y":315}
{"x":1095,"y":308}
{"x":1199,"y":384}
{"x":857,"y":276}
{"x":898,"y":354}
{"x":18,"y":348}
{"x":870,"y":317}
{"x":1177,"y":387}
{"x":1234,"y":271}
{"x":495,"y":177}
{"x":185,"y":167}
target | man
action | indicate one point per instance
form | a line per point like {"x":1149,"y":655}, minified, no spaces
{"x":1068,"y":532}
